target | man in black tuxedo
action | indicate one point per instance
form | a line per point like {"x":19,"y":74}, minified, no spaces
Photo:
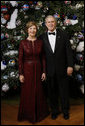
{"x":59,"y":65}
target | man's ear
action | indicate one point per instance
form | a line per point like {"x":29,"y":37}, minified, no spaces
{"x":45,"y":24}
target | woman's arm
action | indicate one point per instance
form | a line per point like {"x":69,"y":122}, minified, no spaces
{"x":43,"y":77}
{"x":21,"y":77}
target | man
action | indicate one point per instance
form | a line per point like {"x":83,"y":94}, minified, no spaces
{"x":59,"y":65}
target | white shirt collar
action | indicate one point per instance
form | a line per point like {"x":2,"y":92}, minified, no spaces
{"x":53,"y":31}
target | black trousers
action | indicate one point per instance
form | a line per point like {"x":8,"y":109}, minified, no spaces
{"x":58,"y":87}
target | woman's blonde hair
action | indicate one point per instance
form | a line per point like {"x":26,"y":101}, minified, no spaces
{"x":29,"y":24}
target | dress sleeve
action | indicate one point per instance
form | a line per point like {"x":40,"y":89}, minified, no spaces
{"x":21,"y":58}
{"x":43,"y":59}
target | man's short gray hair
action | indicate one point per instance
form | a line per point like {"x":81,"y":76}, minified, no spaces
{"x":50,"y":16}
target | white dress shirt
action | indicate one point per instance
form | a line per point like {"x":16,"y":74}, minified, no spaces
{"x":52,"y":40}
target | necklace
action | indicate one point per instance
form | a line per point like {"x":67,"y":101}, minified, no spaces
{"x":31,"y":39}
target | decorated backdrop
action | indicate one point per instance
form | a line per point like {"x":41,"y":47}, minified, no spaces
{"x":15,"y":15}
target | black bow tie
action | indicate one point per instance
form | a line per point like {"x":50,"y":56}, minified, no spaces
{"x":51,"y":33}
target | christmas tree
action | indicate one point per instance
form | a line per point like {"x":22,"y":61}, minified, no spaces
{"x":15,"y":15}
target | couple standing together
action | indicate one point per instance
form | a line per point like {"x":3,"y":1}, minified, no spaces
{"x":47,"y":58}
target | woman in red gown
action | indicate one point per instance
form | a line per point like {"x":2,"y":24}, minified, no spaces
{"x":33,"y":106}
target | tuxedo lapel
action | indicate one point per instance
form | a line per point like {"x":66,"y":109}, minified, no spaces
{"x":55,"y":42}
{"x":47,"y":43}
{"x":57,"y":39}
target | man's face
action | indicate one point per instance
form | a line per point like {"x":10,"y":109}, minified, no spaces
{"x":51,"y":24}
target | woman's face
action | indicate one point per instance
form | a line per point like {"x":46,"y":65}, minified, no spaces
{"x":32,"y":31}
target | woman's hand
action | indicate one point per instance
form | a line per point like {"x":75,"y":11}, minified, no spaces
{"x":21,"y":78}
{"x":69,"y":71}
{"x":43,"y":77}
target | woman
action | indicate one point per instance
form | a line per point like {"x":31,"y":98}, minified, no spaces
{"x":33,"y":105}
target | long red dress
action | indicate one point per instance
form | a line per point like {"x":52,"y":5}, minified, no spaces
{"x":33,"y":106}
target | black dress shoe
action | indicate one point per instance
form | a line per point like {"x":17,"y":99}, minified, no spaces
{"x":66,"y":116}
{"x":54,"y":116}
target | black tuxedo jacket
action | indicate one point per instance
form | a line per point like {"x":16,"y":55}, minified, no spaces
{"x":62,"y":57}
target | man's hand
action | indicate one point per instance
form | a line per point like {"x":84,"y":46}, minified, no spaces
{"x":69,"y":71}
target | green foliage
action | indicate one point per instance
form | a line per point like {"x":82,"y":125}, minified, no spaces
{"x":38,"y":15}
